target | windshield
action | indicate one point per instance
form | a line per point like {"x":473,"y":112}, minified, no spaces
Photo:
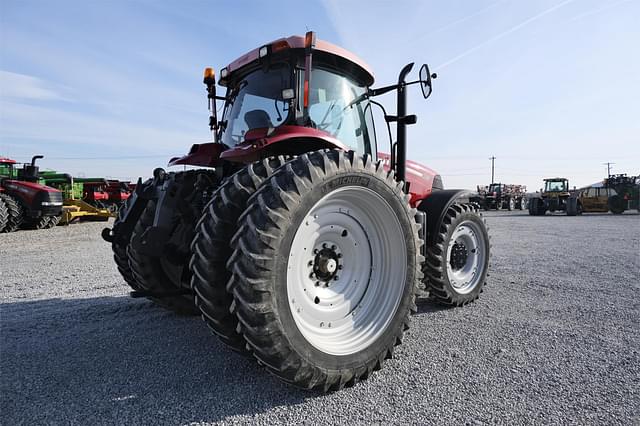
{"x":256,"y":102}
{"x":555,"y":186}
{"x":329,"y":96}
{"x":494,"y":187}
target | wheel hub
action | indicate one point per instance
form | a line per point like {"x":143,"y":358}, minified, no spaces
{"x":459,"y":255}
{"x":326,"y":263}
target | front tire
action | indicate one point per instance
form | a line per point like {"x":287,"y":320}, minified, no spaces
{"x":15,"y":216}
{"x":458,"y":258}
{"x":4,"y":215}
{"x":318,"y":301}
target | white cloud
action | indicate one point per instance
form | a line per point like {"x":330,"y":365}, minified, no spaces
{"x":26,"y":87}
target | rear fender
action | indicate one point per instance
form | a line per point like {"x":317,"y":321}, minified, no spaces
{"x":204,"y":155}
{"x":435,"y":207}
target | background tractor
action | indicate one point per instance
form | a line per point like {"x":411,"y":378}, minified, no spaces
{"x":23,"y":201}
{"x":502,"y":196}
{"x":300,"y":244}
{"x":627,"y":193}
{"x":555,"y":197}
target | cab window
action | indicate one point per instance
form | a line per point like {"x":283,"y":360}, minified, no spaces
{"x":330,"y":95}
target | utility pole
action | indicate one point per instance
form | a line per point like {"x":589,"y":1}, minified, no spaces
{"x":493,"y":159}
{"x":608,"y":168}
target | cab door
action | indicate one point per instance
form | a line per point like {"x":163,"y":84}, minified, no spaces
{"x":602,"y":199}
{"x":588,"y":198}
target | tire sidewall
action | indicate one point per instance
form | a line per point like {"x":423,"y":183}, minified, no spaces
{"x":280,"y":296}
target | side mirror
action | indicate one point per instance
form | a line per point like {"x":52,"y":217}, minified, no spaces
{"x":425,"y":80}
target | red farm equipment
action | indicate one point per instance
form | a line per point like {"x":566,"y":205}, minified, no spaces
{"x":298,"y":242}
{"x":107,"y":193}
{"x":23,"y":201}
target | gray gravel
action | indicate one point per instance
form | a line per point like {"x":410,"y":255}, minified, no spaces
{"x":553,"y":339}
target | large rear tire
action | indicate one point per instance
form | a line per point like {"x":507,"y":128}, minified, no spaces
{"x":458,"y":256}
{"x":168,"y":275}
{"x":212,"y":249}
{"x":536,"y":207}
{"x":4,"y":214}
{"x":120,"y":251}
{"x":53,"y":222}
{"x":616,"y":204}
{"x":15,"y":216}
{"x":36,"y":223}
{"x":318,"y":301}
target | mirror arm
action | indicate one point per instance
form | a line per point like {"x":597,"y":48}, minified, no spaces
{"x":382,"y":90}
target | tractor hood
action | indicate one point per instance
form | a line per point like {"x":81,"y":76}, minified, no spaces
{"x":26,"y":187}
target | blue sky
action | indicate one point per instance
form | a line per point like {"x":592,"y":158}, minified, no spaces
{"x":115,"y":88}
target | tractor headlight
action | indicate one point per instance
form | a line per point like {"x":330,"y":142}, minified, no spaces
{"x":264,"y":51}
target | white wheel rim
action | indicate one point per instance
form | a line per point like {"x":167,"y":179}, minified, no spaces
{"x":465,"y":272}
{"x":353,"y":234}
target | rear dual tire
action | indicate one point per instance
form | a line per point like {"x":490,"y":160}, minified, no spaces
{"x":316,"y":208}
{"x":167,"y":274}
{"x":212,"y":249}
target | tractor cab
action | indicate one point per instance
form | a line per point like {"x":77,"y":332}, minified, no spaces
{"x":273,"y":94}
{"x":556,"y":186}
{"x":6,"y":168}
{"x":495,"y":189}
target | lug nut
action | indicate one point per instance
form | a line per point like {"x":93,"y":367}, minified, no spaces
{"x":336,"y":278}
{"x":311,"y":275}
{"x":324,"y":245}
{"x":317,"y":284}
{"x":339,"y":267}
{"x":339,"y":255}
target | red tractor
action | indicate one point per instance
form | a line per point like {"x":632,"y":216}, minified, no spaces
{"x":301,"y":244}
{"x":24,"y":202}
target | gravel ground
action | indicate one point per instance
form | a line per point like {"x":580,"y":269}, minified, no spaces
{"x":553,"y":339}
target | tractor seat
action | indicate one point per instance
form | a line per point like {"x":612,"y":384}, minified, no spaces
{"x":257,"y":119}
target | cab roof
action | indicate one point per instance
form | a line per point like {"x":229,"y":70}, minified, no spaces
{"x":6,"y":160}
{"x":298,"y":42}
